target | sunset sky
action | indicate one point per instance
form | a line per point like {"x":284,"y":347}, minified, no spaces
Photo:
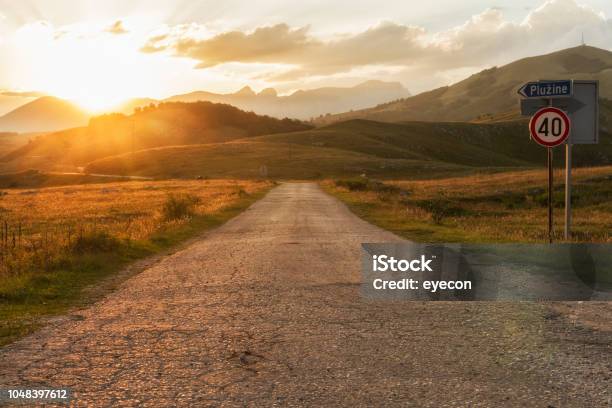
{"x":101,"y":52}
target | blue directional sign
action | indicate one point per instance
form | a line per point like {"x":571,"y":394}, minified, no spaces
{"x":547,"y":89}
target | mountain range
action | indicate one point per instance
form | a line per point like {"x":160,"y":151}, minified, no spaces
{"x":50,"y":114}
{"x":493,"y":91}
{"x":304,"y":104}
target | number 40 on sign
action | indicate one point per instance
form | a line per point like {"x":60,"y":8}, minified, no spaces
{"x":550,"y":127}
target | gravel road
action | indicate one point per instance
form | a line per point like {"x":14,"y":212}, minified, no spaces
{"x":266,"y":311}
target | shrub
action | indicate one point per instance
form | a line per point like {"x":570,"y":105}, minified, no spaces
{"x":95,"y":241}
{"x":363,"y":184}
{"x":439,"y":209}
{"x":353,"y":185}
{"x":179,"y":206}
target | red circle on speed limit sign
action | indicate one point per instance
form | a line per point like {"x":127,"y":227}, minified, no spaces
{"x":549,"y":127}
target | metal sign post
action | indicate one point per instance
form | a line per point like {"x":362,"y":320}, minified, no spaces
{"x":568,"y":191}
{"x":550,"y":127}
{"x":550,"y":195}
{"x":550,"y":190}
{"x":579,"y":99}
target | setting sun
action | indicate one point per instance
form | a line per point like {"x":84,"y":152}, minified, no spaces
{"x":95,"y":69}
{"x":97,"y":102}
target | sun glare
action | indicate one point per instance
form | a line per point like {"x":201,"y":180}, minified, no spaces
{"x":96,"y":70}
{"x":97,"y":103}
{"x":98,"y":84}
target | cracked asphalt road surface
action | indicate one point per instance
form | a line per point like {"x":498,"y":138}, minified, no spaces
{"x":266,"y":311}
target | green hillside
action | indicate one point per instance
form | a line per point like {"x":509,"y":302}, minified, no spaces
{"x":349,"y":149}
{"x":459,"y":143}
{"x":281,"y":160}
{"x":471,"y":144}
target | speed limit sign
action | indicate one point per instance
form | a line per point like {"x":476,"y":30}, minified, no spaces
{"x":550,"y":127}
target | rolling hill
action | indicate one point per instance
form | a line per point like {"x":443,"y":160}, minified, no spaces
{"x":244,"y":159}
{"x":46,"y":113}
{"x":348,"y":149}
{"x":172,"y":123}
{"x":492,"y":91}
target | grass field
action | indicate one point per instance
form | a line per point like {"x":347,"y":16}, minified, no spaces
{"x":57,"y":241}
{"x":501,"y":207}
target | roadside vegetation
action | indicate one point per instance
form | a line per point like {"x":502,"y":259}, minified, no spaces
{"x":54,"y":242}
{"x":500,"y":207}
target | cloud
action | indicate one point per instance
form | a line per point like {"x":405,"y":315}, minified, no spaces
{"x":555,"y":22}
{"x":278,"y":44}
{"x":386,"y":43}
{"x":485,"y":39}
{"x":155,"y":44}
{"x":116,"y":28}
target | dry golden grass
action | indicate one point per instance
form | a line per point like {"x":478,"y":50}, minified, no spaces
{"x":487,"y":184}
{"x":501,"y":207}
{"x":51,"y":219}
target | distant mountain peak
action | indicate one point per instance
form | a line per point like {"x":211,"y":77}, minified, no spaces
{"x":46,"y":113}
{"x":268,"y":92}
{"x":245,"y":91}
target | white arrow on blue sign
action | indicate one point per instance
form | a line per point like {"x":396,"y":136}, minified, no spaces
{"x":546,"y":89}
